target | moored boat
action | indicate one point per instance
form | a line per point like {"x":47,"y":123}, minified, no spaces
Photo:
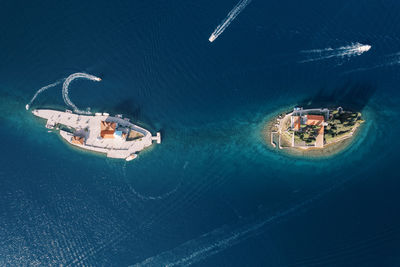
{"x":131,"y":157}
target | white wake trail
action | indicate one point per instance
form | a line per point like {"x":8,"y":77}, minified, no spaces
{"x":395,"y":59}
{"x":144,"y":197}
{"x":227,"y":236}
{"x":215,"y":241}
{"x":41,"y":90}
{"x":229,"y":18}
{"x":389,"y":61}
{"x":66,"y":87}
{"x":356,"y":49}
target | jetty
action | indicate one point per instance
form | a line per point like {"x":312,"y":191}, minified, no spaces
{"x":114,"y":136}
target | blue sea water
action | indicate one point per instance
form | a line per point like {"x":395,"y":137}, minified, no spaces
{"x":213,"y":193}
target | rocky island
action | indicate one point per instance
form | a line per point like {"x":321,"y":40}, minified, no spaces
{"x":313,"y":132}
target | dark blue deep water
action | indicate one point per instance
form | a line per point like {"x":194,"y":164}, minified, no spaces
{"x":213,"y":193}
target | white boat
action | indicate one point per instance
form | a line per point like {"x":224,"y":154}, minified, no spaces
{"x":113,"y":136}
{"x":363,"y":48}
{"x":131,"y":157}
{"x":212,"y":38}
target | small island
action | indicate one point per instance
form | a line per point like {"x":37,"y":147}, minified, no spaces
{"x":114,"y":136}
{"x":313,"y":132}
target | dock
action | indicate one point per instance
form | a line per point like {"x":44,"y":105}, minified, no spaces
{"x":157,"y":138}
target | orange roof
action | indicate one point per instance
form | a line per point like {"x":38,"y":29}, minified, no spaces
{"x":107,"y":129}
{"x":296,"y":123}
{"x":315,"y":119}
{"x":78,"y":140}
{"x":107,"y":134}
{"x":107,"y":125}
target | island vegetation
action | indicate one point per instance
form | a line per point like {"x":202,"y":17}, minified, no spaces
{"x":341,"y":125}
{"x":313,"y":131}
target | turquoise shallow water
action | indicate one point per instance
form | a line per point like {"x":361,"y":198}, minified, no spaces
{"x":213,"y":193}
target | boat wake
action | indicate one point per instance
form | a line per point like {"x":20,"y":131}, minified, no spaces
{"x":222,"y":238}
{"x":389,"y":61}
{"x":229,"y":18}
{"x":41,"y":90}
{"x":394,"y":59}
{"x":356,"y":49}
{"x":65,"y":88}
{"x":145,"y":198}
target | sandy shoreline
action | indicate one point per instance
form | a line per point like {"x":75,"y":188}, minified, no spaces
{"x":327,"y":151}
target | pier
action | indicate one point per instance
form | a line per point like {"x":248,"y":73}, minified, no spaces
{"x":157,"y":138}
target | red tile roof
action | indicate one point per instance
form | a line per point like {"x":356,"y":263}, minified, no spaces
{"x":296,"y":123}
{"x":315,"y":119}
{"x":107,"y":129}
{"x":78,"y":140}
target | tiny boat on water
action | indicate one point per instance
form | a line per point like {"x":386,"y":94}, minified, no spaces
{"x":131,"y":157}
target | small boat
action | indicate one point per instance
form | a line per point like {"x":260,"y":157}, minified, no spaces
{"x":131,"y":157}
{"x":212,"y":38}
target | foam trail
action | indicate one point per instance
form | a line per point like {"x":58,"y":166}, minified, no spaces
{"x":66,"y":87}
{"x":394,"y":60}
{"x":225,"y":237}
{"x":229,"y":18}
{"x":212,"y":242}
{"x":356,"y":49}
{"x":41,"y":90}
{"x":143,"y":197}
